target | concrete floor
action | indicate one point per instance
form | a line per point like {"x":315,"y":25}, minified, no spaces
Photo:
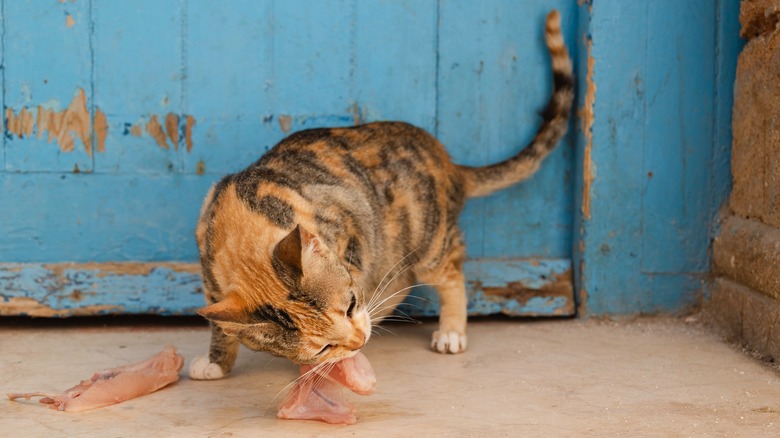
{"x":647,"y":377}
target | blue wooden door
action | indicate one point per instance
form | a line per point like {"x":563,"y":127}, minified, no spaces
{"x":120,"y":115}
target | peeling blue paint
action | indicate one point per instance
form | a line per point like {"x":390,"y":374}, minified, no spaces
{"x":162,"y":290}
{"x":660,"y":142}
{"x":473,"y":73}
{"x":71,"y":289}
{"x":533,"y":287}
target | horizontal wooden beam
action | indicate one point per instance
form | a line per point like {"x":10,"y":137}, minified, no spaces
{"x":520,"y":287}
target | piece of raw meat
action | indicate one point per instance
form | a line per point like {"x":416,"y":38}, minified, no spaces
{"x":320,"y":396}
{"x":116,"y":384}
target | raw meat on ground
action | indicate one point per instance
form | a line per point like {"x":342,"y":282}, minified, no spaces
{"x":319,"y":396}
{"x":116,"y":384}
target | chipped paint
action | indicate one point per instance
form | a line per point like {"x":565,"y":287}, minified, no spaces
{"x":60,"y":126}
{"x":582,"y":292}
{"x":101,"y":129}
{"x":22,"y":124}
{"x":136,"y":130}
{"x":190,"y":123}
{"x":516,"y":287}
{"x":69,"y":21}
{"x":156,"y":131}
{"x":285,"y":123}
{"x":357,"y":116}
{"x":67,"y":289}
{"x":587,"y":118}
{"x":31,"y":307}
{"x":172,"y":128}
{"x":71,"y":289}
{"x":558,"y":286}
{"x":104,"y":269}
{"x":201,"y":168}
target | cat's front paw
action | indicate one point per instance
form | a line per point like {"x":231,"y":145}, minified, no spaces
{"x":203,"y":369}
{"x":448,"y":342}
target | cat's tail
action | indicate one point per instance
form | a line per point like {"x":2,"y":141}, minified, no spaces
{"x":482,"y":181}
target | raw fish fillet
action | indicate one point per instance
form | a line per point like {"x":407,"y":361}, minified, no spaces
{"x":116,"y":384}
{"x":321,"y":397}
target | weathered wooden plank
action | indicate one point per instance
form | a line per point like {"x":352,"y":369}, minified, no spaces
{"x":513,"y":287}
{"x":394,"y":75}
{"x":520,"y":287}
{"x":229,"y":85}
{"x":99,"y":217}
{"x":612,"y":230}
{"x":312,"y":52}
{"x":36,"y":37}
{"x":492,"y":82}
{"x":138,"y":84}
{"x":678,"y":91}
{"x":67,"y":289}
{"x":644,"y":232}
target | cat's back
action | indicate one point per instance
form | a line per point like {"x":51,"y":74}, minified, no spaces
{"x":373,"y":144}
{"x":374,"y":158}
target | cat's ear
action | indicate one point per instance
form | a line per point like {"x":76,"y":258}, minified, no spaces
{"x":295,"y":248}
{"x":229,"y":314}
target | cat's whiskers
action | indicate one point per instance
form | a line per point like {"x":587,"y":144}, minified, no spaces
{"x":395,"y":265}
{"x":403,"y":317}
{"x":397,"y":309}
{"x":302,"y":379}
{"x":373,"y":311}
{"x":378,"y":294}
{"x":389,"y":282}
{"x":374,"y":295}
{"x":398,"y":318}
{"x":383,"y":328}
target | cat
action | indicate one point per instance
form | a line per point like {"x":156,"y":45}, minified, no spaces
{"x":321,"y":237}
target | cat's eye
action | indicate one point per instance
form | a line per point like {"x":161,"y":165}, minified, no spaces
{"x":351,"y":307}
{"x":325,"y":349}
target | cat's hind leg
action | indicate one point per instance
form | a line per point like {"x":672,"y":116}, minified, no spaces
{"x":450,"y":283}
{"x":222,"y":356}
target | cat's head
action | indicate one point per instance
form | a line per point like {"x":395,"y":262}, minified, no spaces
{"x":300,"y":303}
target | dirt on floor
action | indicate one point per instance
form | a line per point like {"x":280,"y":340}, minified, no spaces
{"x":639,"y":377}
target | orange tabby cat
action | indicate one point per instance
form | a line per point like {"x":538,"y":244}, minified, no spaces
{"x":302,"y":250}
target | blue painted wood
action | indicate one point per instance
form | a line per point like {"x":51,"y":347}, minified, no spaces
{"x":99,"y":217}
{"x":229,"y":84}
{"x":493,"y":82}
{"x":678,"y":93}
{"x":99,"y":289}
{"x":223,"y":84}
{"x":313,"y":60}
{"x":542,"y":287}
{"x":474,"y":73}
{"x":394,"y":72}
{"x":138,"y":76}
{"x":45,"y":62}
{"x":728,"y":48}
{"x":662,"y":99}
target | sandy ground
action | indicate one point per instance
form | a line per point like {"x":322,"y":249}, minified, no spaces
{"x":646,"y":377}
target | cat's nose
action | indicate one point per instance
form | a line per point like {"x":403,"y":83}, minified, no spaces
{"x":358,"y":341}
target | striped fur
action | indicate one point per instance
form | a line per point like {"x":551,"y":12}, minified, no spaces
{"x":294,"y":247}
{"x":482,"y":181}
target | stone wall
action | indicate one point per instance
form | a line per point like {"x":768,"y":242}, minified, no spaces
{"x":746,"y":291}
